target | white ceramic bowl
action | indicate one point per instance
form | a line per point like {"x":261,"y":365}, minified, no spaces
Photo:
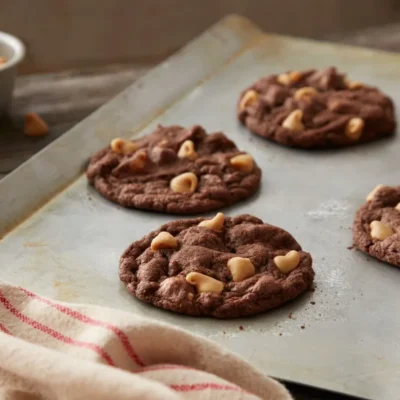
{"x":14,"y":51}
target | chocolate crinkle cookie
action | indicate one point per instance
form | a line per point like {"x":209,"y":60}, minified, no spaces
{"x":316,"y":108}
{"x":376,"y":228}
{"x":175,"y":170}
{"x":221,"y":267}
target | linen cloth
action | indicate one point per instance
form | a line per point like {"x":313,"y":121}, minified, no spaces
{"x":53,"y":350}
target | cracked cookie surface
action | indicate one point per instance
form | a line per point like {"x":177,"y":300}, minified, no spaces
{"x":316,"y":109}
{"x":225,"y":269}
{"x":376,"y":227}
{"x":175,"y":170}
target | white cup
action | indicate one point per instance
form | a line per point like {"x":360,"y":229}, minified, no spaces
{"x":14,"y":51}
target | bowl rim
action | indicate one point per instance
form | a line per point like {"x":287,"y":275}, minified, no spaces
{"x":18,"y":47}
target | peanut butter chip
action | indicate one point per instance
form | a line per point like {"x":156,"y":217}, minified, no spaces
{"x":164,"y":240}
{"x":34,"y":125}
{"x":215,"y":223}
{"x":288,"y":78}
{"x":305,"y":93}
{"x":241,"y":268}
{"x":380,"y":231}
{"x":187,"y":150}
{"x":204,"y":283}
{"x":243,"y":162}
{"x":288,"y":262}
{"x":374,"y":192}
{"x":249,"y":98}
{"x":184,"y":183}
{"x":139,"y":161}
{"x":352,"y":85}
{"x":354,"y":128}
{"x":294,"y":121}
{"x":122,"y":146}
{"x":398,"y":207}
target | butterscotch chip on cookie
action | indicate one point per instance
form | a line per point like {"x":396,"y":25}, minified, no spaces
{"x":316,"y":108}
{"x":175,"y":170}
{"x":222,"y":267}
{"x":376,"y":228}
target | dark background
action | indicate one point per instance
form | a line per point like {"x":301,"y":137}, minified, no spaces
{"x":63,"y":34}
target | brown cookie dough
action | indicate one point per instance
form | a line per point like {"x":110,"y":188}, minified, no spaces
{"x":315,"y":109}
{"x":222,"y":267}
{"x":376,"y":228}
{"x":175,"y":170}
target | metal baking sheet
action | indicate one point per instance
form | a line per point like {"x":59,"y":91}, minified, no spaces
{"x":63,"y":240}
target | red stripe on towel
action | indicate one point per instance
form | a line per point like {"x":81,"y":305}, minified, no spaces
{"x":91,"y":321}
{"x":204,"y":386}
{"x":4,"y":329}
{"x":51,"y":332}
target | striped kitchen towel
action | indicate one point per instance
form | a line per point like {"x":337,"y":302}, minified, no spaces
{"x":52,"y":350}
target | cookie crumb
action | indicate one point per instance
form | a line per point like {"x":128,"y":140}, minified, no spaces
{"x":312,"y":302}
{"x":280,"y":334}
{"x":350,"y":247}
{"x":241,"y":328}
{"x":303,"y":327}
{"x":291,"y":316}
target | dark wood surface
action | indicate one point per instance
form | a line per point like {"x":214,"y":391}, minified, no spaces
{"x":65,"y":98}
{"x":62,"y":99}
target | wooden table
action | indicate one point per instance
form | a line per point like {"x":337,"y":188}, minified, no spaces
{"x":65,"y":98}
{"x":62,"y":99}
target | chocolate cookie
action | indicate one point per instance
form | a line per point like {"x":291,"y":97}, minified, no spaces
{"x":221,"y":267}
{"x":175,"y":170}
{"x":312,"y":109}
{"x":376,"y":228}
